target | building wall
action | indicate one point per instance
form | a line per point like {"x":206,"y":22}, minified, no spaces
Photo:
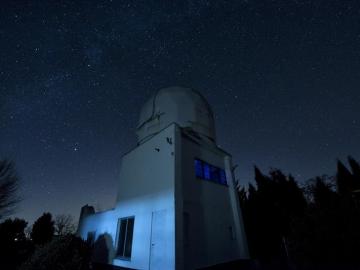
{"x":211,"y":235}
{"x":146,"y":185}
{"x":159,"y":175}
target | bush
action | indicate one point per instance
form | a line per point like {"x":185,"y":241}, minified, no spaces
{"x":62,"y":253}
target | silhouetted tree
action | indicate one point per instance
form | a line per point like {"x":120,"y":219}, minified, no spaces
{"x":355,"y":168}
{"x":348,"y":182}
{"x":65,"y":252}
{"x":64,"y":224}
{"x":8,"y":188}
{"x":43,"y":229}
{"x":344,"y":179}
{"x":328,"y":234}
{"x":322,"y":192}
{"x":269,"y":210}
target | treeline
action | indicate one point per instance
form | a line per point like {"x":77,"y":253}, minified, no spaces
{"x":48,"y":244}
{"x":311,"y":226}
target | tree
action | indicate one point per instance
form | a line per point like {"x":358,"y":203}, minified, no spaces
{"x":355,"y":168}
{"x":8,"y":188}
{"x":43,"y":229}
{"x":344,"y":179}
{"x":12,"y":230}
{"x":322,"y":193}
{"x":64,"y":224}
{"x":328,"y":235}
{"x":14,"y":247}
{"x":348,"y":181}
{"x":269,"y":211}
{"x":64,"y":252}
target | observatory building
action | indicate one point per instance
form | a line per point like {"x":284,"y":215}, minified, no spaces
{"x":177,"y":205}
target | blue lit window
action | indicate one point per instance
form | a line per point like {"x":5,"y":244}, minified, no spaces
{"x":215,"y":174}
{"x":208,"y":172}
{"x":199,"y":168}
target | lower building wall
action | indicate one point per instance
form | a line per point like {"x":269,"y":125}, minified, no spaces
{"x":153,"y":245}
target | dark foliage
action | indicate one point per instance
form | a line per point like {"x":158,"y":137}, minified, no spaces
{"x":8,"y":188}
{"x":321,"y":232}
{"x":62,"y":253}
{"x":344,"y":179}
{"x":337,"y":213}
{"x":14,"y":247}
{"x":43,"y":229}
{"x":348,"y":182}
{"x":269,"y":210}
{"x":329,"y":231}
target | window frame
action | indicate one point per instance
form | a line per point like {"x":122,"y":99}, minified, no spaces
{"x":118,"y":254}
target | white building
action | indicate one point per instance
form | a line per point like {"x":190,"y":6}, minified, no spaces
{"x":177,"y":206}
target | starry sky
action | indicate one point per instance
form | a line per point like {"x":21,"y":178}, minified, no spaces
{"x":282,"y":76}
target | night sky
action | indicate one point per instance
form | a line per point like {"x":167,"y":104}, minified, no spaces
{"x":283,"y":78}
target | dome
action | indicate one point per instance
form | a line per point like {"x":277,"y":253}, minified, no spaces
{"x":184,"y":106}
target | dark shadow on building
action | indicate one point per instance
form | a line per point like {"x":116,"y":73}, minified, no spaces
{"x":103,"y":249}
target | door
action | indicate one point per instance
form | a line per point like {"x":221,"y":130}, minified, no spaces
{"x":159,"y":257}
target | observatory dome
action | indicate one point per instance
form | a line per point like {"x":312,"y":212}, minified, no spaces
{"x":183,"y":106}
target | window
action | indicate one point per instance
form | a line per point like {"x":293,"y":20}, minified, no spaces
{"x":209,"y":172}
{"x":206,"y":171}
{"x":215,"y":173}
{"x":126,"y":226}
{"x":199,"y":168}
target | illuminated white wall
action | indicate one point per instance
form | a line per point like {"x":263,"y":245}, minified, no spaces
{"x":146,"y":185}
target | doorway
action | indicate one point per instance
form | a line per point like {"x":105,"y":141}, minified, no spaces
{"x":159,"y":249}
